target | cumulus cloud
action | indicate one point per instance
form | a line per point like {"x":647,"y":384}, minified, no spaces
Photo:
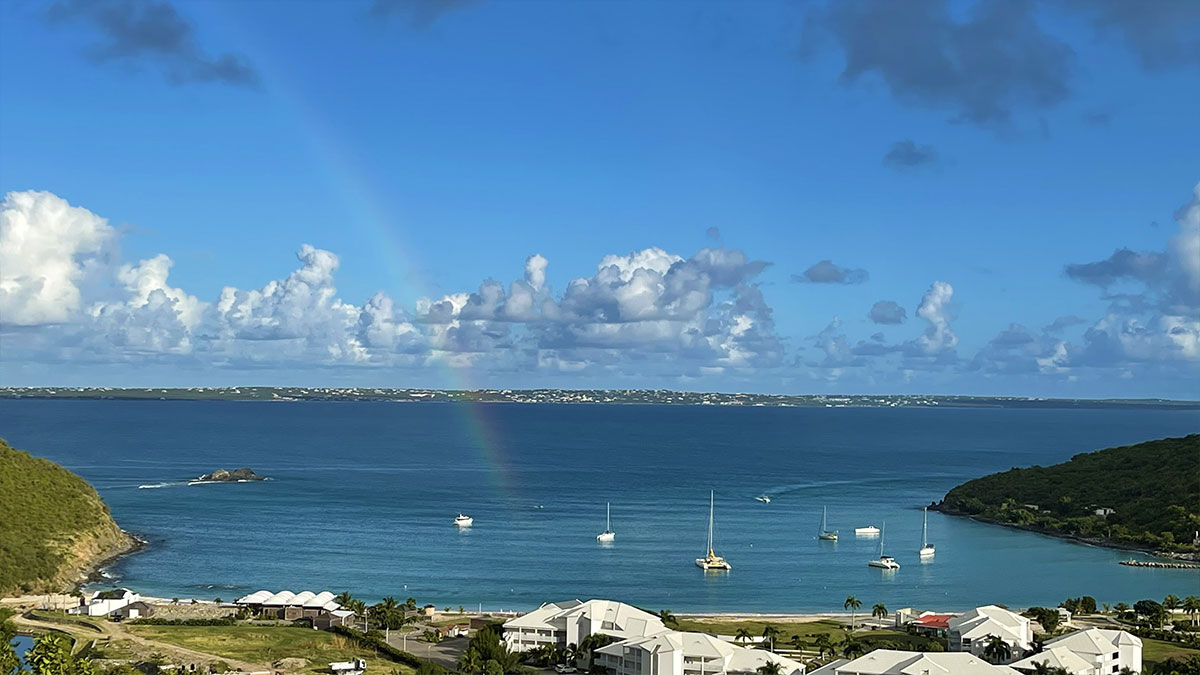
{"x":1122,"y":264}
{"x":826,"y":272}
{"x":138,"y":32}
{"x":935,"y":308}
{"x":905,"y":155}
{"x":983,"y":68}
{"x":887,"y":312}
{"x":1161,"y":34}
{"x":49,"y":251}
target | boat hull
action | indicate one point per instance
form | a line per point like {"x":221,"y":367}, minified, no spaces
{"x":885,"y":565}
{"x":709,"y":566}
{"x":828,"y":536}
{"x":606,"y":536}
{"x":867,"y":531}
{"x":927,"y":552}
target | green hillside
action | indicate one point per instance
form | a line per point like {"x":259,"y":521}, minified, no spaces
{"x":53,"y":525}
{"x":1154,"y":487}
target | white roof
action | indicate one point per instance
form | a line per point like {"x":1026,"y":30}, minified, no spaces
{"x":624,"y":618}
{"x":992,"y":620}
{"x":894,"y":662}
{"x":1095,"y":641}
{"x":307,"y":599}
{"x":703,"y":645}
{"x":1058,"y":657}
{"x":540,"y":617}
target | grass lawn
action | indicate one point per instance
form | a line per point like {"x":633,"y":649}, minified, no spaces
{"x":1156,"y":651}
{"x":265,"y":645}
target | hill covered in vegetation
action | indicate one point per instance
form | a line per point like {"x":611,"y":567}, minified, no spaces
{"x":53,"y":526}
{"x":1144,"y":496}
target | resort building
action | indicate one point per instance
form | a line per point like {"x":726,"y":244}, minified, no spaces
{"x":925,"y":623}
{"x":894,"y":662}
{"x":290,"y":606}
{"x":1095,"y":651}
{"x":970,"y":632}
{"x":565,"y":623}
{"x":678,"y":653}
{"x":104,"y":603}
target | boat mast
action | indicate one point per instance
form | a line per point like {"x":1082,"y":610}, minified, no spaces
{"x":925,"y":529}
{"x":882,"y":533}
{"x":608,"y":516}
{"x":824,"y":529}
{"x":710,"y":520}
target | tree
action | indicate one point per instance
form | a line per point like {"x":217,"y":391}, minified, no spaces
{"x":852,"y":603}
{"x":668,"y":617}
{"x":50,"y":655}
{"x":1121,"y":609}
{"x":796,"y":641}
{"x":770,"y":634}
{"x":997,"y":650}
{"x":743,"y":635}
{"x":9,"y":663}
{"x":411,"y":603}
{"x":769,"y":668}
{"x":1042,"y":668}
{"x":823,"y":645}
{"x":468,"y":662}
{"x":1191,"y":605}
{"x":879,"y":611}
{"x":492,"y":667}
{"x":1171,"y":603}
{"x":852,"y":648}
{"x":343,"y":598}
{"x":1151,"y":610}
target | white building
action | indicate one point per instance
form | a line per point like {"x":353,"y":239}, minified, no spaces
{"x":104,"y":603}
{"x":1095,"y":651}
{"x":673,"y":652}
{"x":894,"y":662}
{"x":970,"y":632}
{"x":565,"y":623}
{"x":290,"y":606}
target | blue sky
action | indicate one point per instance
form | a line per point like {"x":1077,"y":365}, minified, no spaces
{"x":953,"y":158}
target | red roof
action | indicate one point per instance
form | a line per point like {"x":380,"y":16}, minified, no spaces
{"x":935,"y":620}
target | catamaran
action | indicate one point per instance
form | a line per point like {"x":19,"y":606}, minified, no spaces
{"x":608,"y":534}
{"x":463,"y":521}
{"x":712,"y":561}
{"x":926,"y":547}
{"x":824,"y":533}
{"x":887,"y":562}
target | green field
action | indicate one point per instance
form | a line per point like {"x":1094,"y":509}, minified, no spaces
{"x":266,"y":645}
{"x":1156,"y":651}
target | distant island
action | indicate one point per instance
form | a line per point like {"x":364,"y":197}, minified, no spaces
{"x":1142,"y":496}
{"x":585,"y":396}
{"x":223,"y":476}
{"x":55,"y":528}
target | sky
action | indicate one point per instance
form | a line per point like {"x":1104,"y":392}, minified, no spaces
{"x":991,"y":197}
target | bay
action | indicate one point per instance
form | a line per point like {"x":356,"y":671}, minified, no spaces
{"x":363,"y":494}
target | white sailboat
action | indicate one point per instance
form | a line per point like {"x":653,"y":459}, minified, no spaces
{"x":886,"y":562}
{"x":712,"y":561}
{"x":824,"y":533}
{"x":926,"y":547}
{"x":607,"y":535}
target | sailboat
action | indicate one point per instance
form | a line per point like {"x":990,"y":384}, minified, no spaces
{"x":825,"y":533}
{"x":608,"y":534}
{"x":926,"y":547}
{"x":886,"y":562}
{"x":712,"y":561}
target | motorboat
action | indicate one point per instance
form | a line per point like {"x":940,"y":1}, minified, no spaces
{"x":886,"y":562}
{"x":463,"y":520}
{"x":926,"y":547}
{"x":607,"y":535}
{"x":712,"y":561}
{"x":764,"y":499}
{"x":868,"y":531}
{"x":824,"y":533}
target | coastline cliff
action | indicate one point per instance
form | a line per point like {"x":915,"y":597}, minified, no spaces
{"x":55,"y":529}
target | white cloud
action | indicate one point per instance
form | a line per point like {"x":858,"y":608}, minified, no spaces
{"x":49,"y":250}
{"x":935,"y":308}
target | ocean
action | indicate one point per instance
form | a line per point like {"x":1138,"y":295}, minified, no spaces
{"x":362,"y":497}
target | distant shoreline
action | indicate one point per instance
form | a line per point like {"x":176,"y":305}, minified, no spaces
{"x":583,"y":397}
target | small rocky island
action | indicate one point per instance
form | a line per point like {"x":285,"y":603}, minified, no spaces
{"x":224,"y":476}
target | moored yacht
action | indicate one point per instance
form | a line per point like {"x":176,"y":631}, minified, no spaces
{"x":607,"y":535}
{"x":824,"y":533}
{"x":886,"y":562}
{"x":764,"y":499}
{"x":926,"y":547}
{"x":463,"y":521}
{"x":712,"y":561}
{"x":868,"y":531}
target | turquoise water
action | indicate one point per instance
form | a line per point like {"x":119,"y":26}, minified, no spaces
{"x":363,"y":495}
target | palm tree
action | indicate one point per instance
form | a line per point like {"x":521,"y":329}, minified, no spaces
{"x":797,"y":642}
{"x":823,"y":644}
{"x":743,"y":636}
{"x":770,"y":634}
{"x":852,"y":603}
{"x":411,"y":603}
{"x":668,"y":617}
{"x":770,"y":668}
{"x":879,"y":611}
{"x":360,"y":609}
{"x":997,"y":650}
{"x":852,"y":648}
{"x":469,"y":662}
{"x":1191,"y":605}
{"x":1121,"y":608}
{"x":343,"y":598}
{"x":1042,"y":668}
{"x":1171,"y":603}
